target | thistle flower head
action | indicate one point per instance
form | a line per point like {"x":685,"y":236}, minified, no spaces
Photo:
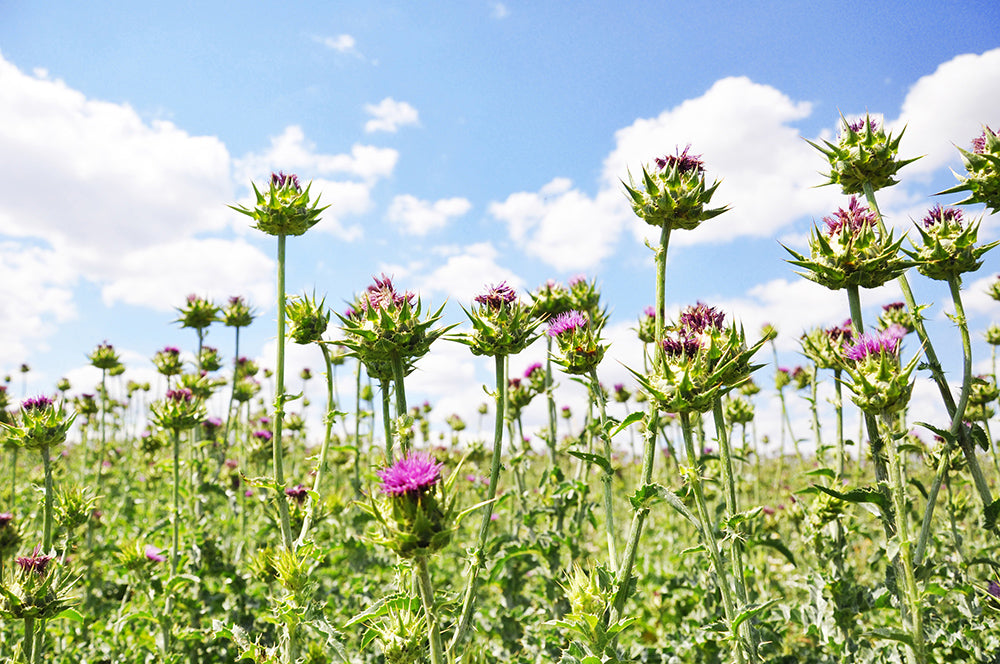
{"x":501,"y":325}
{"x":948,"y":246}
{"x":197,"y":312}
{"x":825,"y":346}
{"x":414,"y":473}
{"x":579,"y":341}
{"x":880,"y":383}
{"x":496,"y":296}
{"x":567,"y":322}
{"x":237,"y":313}
{"x":153,"y":554}
{"x":180,"y":409}
{"x":550,"y":299}
{"x":674,"y":193}
{"x":981,"y":182}
{"x":896,"y":314}
{"x":168,"y":361}
{"x":210,"y":359}
{"x":863,"y":154}
{"x":36,"y":563}
{"x":700,"y":318}
{"x":104,"y":357}
{"x":307,"y":318}
{"x":647,"y":326}
{"x":851,"y":251}
{"x":284,"y":209}
{"x":39,"y":424}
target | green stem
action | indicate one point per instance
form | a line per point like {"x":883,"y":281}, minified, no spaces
{"x":839,"y":410}
{"x":386,"y":419}
{"x":310,"y":510}
{"x":232,"y":397}
{"x":47,"y":520}
{"x":427,"y":599}
{"x":968,"y":447}
{"x":708,"y":531}
{"x":29,"y":638}
{"x":478,"y":555}
{"x":550,"y":399}
{"x":176,"y":513}
{"x":400,"y":390}
{"x":661,"y":279}
{"x":357,"y":428}
{"x":279,"y":407}
{"x":608,"y":476}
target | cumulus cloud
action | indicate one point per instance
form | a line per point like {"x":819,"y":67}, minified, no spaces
{"x":465,"y":271}
{"x":949,"y":107}
{"x":342,"y":43}
{"x":389,"y":115}
{"x":419,"y":217}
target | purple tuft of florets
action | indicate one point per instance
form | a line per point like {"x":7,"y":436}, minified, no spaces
{"x":859,"y":124}
{"x":414,"y":473}
{"x":382,"y":294}
{"x":567,"y":322}
{"x":280,"y":180}
{"x":875,"y":343}
{"x":154,"y":554}
{"x":497,"y":296}
{"x":36,"y":563}
{"x":854,"y":218}
{"x":181,"y":395}
{"x":680,"y":346}
{"x":537,"y":366}
{"x":979,"y":143}
{"x":939,"y":215}
{"x":683,"y":161}
{"x":701,"y":317}
{"x":36,"y":403}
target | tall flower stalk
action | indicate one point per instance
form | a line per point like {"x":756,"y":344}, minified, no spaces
{"x":501,"y":327}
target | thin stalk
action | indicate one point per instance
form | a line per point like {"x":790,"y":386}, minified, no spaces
{"x":968,"y":447}
{"x":427,"y":599}
{"x":386,"y":419}
{"x":707,"y":531}
{"x":661,"y":278}
{"x":608,"y":476}
{"x":47,"y":519}
{"x":838,"y":407}
{"x":400,"y":390}
{"x":29,"y":638}
{"x":232,"y":396}
{"x":478,"y":559}
{"x":279,"y":407}
{"x":357,"y":428}
{"x":310,"y":510}
{"x":550,"y":399}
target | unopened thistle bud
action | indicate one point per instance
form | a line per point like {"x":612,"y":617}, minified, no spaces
{"x":501,"y":325}
{"x":168,"y":361}
{"x":179,"y":410}
{"x":197,"y":312}
{"x":285,"y":209}
{"x":39,"y":424}
{"x":550,"y":299}
{"x":237,"y":313}
{"x":307,"y":318}
{"x":880,"y":383}
{"x":982,"y":172}
{"x":863,"y":154}
{"x":948,"y":247}
{"x":104,"y":357}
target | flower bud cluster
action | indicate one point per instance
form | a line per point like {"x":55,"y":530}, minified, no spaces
{"x":675,"y":194}
{"x":285,"y":209}
{"x":863,"y":154}
{"x":948,"y":247}
{"x":702,"y":360}
{"x":851,"y":251}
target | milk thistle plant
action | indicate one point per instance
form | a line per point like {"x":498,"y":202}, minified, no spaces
{"x":548,"y":301}
{"x":981,"y":182}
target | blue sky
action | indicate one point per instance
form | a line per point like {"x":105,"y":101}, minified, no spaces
{"x":458,"y":144}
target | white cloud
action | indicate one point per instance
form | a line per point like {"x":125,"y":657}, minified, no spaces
{"x":419,"y":217}
{"x":499,"y":10}
{"x":563,"y":226}
{"x":122,"y":183}
{"x":343,"y":43}
{"x":389,"y":115}
{"x":37,"y":296}
{"x":466,"y":271}
{"x":949,"y":108}
{"x":161,"y":276}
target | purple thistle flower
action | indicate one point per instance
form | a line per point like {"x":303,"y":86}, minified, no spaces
{"x":382,"y":294}
{"x":36,"y":403}
{"x":650,"y":312}
{"x":893,"y":306}
{"x":496,"y":297}
{"x":181,"y":395}
{"x":854,"y":218}
{"x":537,"y":366}
{"x":154,"y":554}
{"x":414,"y":473}
{"x":994,"y":589}
{"x":263,"y":435}
{"x":859,"y":124}
{"x":5,"y":519}
{"x":567,"y":322}
{"x":939,"y":215}
{"x":701,"y":317}
{"x":979,"y":143}
{"x":869,"y":344}
{"x":578,"y":279}
{"x":297,"y":493}
{"x":680,"y":346}
{"x":36,"y":562}
{"x":280,"y":181}
{"x":684,"y":162}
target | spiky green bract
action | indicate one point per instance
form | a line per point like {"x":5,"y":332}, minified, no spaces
{"x":499,"y":329}
{"x":590,"y":594}
{"x":698,"y":369}
{"x":376,"y":332}
{"x":825,"y":346}
{"x":863,"y":153}
{"x":948,"y":247}
{"x":105,"y":357}
{"x":860,"y":256}
{"x":415,"y":522}
{"x":39,"y":424}
{"x":982,"y":172}
{"x":285,"y":209}
{"x":880,"y":383}
{"x":674,"y":196}
{"x":307,"y":318}
{"x":197,"y":312}
{"x":550,"y":299}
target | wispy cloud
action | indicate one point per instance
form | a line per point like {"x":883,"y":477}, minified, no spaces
{"x":419,"y":217}
{"x":498,"y":10}
{"x":389,"y":115}
{"x":344,"y":43}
